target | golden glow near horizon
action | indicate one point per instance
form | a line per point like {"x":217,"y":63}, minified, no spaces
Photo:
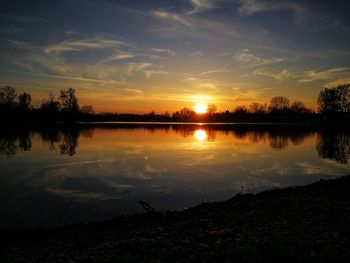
{"x":200,"y":108}
{"x":200,"y":135}
{"x":146,"y":68}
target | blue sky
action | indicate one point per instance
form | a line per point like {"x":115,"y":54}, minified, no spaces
{"x":138,"y":56}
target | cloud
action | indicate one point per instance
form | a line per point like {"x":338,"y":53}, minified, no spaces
{"x":132,"y":67}
{"x":62,"y":77}
{"x":154,"y":53}
{"x":246,"y":57}
{"x":337,"y":82}
{"x":166,"y":51}
{"x":83,"y":44}
{"x":197,"y":54}
{"x":208,"y":85}
{"x":19,"y":44}
{"x":183,"y":24}
{"x":150,"y":73}
{"x":312,"y":75}
{"x":278,"y":76}
{"x":71,"y":32}
{"x":138,"y":91}
{"x":213,"y":71}
{"x":119,"y":55}
{"x":172,"y":17}
{"x":247,"y":95}
{"x":303,"y":16}
{"x":202,"y":5}
{"x":145,"y":68}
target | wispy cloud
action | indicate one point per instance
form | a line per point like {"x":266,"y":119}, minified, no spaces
{"x":202,"y":5}
{"x":248,"y":95}
{"x":20,"y":44}
{"x":247,"y":58}
{"x":172,"y":17}
{"x":197,"y":54}
{"x":337,"y":82}
{"x":119,"y":55}
{"x":83,"y":44}
{"x":62,"y":77}
{"x":166,"y":51}
{"x":195,"y":27}
{"x":213,"y":71}
{"x":277,"y":75}
{"x":145,"y":68}
{"x":138,"y":91}
{"x":303,"y":16}
{"x":313,"y":75}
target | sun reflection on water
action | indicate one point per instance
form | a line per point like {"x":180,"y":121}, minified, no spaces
{"x":200,"y":135}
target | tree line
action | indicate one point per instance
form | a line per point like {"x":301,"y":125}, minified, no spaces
{"x":14,"y":107}
{"x":333,"y":104}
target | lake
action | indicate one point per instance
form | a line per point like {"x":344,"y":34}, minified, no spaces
{"x":57,"y":176}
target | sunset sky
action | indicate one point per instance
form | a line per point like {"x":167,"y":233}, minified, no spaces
{"x":138,"y":56}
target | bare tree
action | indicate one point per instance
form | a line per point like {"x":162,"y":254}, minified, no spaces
{"x":211,"y":109}
{"x":279,"y":103}
{"x":8,"y":96}
{"x":186,"y":114}
{"x":87,"y":109}
{"x":299,"y":107}
{"x":69,"y":100}
{"x":257,"y":108}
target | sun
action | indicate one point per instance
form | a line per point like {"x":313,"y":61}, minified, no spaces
{"x":200,"y":108}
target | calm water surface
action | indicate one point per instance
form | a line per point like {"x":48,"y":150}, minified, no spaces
{"x":59,"y":176}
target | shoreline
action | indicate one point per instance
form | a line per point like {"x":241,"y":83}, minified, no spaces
{"x":302,"y":223}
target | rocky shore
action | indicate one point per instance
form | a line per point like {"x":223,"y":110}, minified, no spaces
{"x":297,"y":224}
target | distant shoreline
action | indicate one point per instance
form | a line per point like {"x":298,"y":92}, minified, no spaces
{"x":110,"y":124}
{"x":304,"y":223}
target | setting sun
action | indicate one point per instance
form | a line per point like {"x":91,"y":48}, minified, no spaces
{"x":200,"y":109}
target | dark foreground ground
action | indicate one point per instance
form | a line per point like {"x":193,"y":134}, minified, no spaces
{"x":299,"y":224}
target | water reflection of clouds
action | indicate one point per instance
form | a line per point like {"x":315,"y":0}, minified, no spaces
{"x":276,"y":169}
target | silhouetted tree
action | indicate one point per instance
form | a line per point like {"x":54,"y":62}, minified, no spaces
{"x":257,"y":108}
{"x":8,"y":96}
{"x":211,"y":109}
{"x":299,"y":107}
{"x":241,"y":109}
{"x":50,"y":108}
{"x":279,"y":103}
{"x":69,"y":101}
{"x":332,"y":100}
{"x":24,"y":101}
{"x":87,"y":109}
{"x":185,"y":114}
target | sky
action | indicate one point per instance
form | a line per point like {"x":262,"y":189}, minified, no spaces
{"x":140,"y":56}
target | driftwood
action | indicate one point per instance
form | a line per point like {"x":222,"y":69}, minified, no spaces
{"x":238,"y":194}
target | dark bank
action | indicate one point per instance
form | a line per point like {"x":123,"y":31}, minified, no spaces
{"x":296,"y":224}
